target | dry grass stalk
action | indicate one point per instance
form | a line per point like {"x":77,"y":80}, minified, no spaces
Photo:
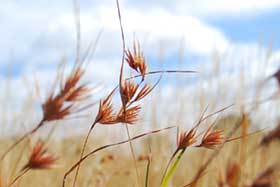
{"x":77,"y":164}
{"x":231,"y":177}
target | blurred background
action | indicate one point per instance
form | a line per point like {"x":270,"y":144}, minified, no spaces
{"x":233,"y":45}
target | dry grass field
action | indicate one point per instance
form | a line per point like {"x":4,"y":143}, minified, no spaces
{"x":236,"y":164}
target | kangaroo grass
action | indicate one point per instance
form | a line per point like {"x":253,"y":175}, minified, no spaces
{"x":187,"y":139}
{"x":69,"y":94}
{"x":130,"y":94}
{"x":201,"y":171}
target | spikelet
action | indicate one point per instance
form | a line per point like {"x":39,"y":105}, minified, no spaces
{"x":186,"y":139}
{"x":59,"y":105}
{"x":211,"y":139}
{"x":128,"y":90}
{"x":39,"y":158}
{"x":129,"y":116}
{"x":136,"y":60}
{"x":105,"y":113}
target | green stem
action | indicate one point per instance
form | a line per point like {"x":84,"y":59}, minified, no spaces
{"x":147,"y":173}
{"x":172,"y":169}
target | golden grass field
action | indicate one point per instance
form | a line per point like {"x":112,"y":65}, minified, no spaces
{"x":114,"y":166}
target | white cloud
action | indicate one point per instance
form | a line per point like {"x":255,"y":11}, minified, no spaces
{"x":211,"y":8}
{"x":160,"y":25}
{"x":48,"y":33}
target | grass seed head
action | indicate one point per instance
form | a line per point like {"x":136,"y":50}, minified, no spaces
{"x":136,"y":60}
{"x":59,"y":105}
{"x":105,"y":113}
{"x":129,"y":116}
{"x":39,"y":158}
{"x":212,"y":139}
{"x":186,"y":139}
{"x":128,"y":91}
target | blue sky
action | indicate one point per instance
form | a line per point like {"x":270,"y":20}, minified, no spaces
{"x":35,"y":35}
{"x":260,"y":27}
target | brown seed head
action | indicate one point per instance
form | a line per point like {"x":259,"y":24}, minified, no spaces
{"x":211,"y":139}
{"x":136,"y":60}
{"x":128,"y":91}
{"x":105,"y":113}
{"x":72,"y":80}
{"x":129,"y":116}
{"x":186,"y":139}
{"x":39,"y":158}
{"x":54,"y":109}
{"x":59,"y":105}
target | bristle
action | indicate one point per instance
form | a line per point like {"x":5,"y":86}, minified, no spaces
{"x":143,"y":92}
